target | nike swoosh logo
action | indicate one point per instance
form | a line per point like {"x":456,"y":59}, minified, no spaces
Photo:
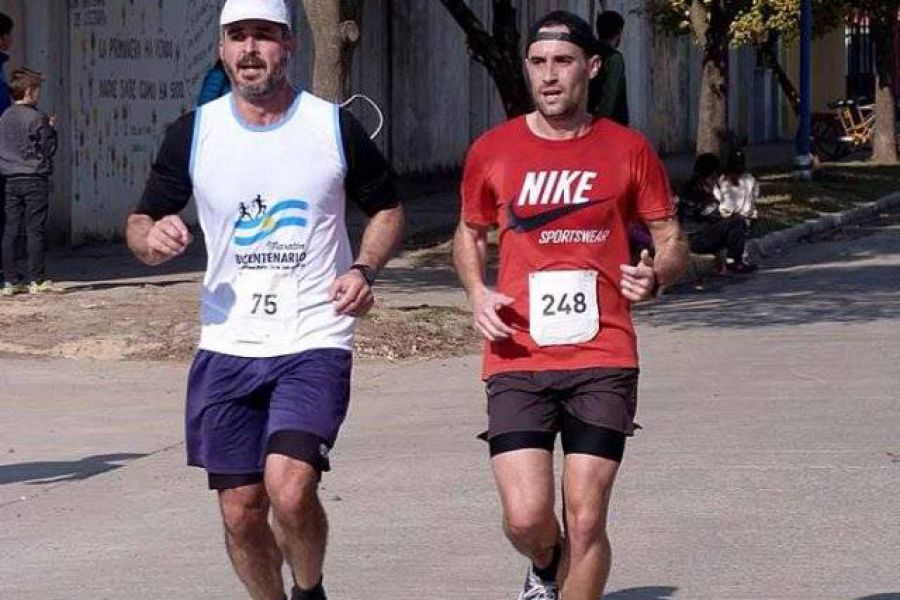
{"x":526,"y":224}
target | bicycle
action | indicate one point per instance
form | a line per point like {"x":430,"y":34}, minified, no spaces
{"x":847,"y":127}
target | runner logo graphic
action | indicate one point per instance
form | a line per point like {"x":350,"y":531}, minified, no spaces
{"x":253,"y":228}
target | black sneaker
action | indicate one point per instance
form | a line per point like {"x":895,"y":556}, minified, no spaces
{"x":536,"y":588}
{"x":317,"y":593}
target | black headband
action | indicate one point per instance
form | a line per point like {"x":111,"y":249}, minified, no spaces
{"x":585,"y":42}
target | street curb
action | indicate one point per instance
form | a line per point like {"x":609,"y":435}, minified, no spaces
{"x":778,"y":241}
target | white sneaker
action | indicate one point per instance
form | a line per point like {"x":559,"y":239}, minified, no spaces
{"x":11,"y":289}
{"x":536,"y":588}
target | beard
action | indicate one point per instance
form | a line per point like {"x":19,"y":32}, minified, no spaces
{"x":271,"y":81}
{"x":562,"y":108}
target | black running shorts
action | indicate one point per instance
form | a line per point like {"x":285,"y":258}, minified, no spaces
{"x":592,"y":409}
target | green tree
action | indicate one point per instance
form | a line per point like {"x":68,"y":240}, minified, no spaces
{"x":709,"y":24}
{"x":766,"y":22}
{"x":717,"y":25}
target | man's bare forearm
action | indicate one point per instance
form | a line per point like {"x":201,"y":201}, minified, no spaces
{"x":470,"y":257}
{"x":672,"y":254}
{"x":382,"y":237}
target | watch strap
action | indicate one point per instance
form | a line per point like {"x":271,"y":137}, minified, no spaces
{"x":367,"y":272}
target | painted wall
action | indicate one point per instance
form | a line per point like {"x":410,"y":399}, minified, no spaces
{"x":134,"y":69}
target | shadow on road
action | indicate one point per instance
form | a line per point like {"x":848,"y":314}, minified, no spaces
{"x":784,"y":296}
{"x":848,"y":278}
{"x":411,"y":280}
{"x":888,"y":596}
{"x":46,"y":472}
{"x":644,"y":593}
{"x":114,"y":262}
{"x":97,"y":287}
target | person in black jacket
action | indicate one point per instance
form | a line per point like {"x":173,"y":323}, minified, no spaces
{"x":708,"y":231}
{"x":28,"y":142}
{"x":608,"y":95}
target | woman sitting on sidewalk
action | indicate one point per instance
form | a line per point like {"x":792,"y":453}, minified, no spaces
{"x":700,"y":214}
{"x":738,"y":190}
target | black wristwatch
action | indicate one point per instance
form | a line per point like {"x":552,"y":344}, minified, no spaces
{"x":368,"y":272}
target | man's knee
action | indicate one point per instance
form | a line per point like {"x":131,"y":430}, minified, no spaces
{"x":585,"y":525}
{"x":588,"y":488}
{"x":292,"y":487}
{"x":243,"y":513}
{"x":528,"y":521}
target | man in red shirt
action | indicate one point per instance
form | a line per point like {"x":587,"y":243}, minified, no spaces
{"x":560,"y":353}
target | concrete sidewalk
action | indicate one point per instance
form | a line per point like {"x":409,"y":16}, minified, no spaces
{"x":768,"y":466}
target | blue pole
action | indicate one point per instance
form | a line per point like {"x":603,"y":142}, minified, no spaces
{"x":803,"y":161}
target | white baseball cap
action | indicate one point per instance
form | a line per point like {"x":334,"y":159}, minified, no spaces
{"x":264,"y":10}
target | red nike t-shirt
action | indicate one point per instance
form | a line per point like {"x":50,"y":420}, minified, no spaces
{"x":563,"y":205}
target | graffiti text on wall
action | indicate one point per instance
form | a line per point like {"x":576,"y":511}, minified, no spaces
{"x":88,"y":12}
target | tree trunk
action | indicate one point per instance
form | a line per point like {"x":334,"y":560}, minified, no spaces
{"x":335,"y":26}
{"x":770,"y":59}
{"x":884,"y":144}
{"x":499,"y":53}
{"x":712,"y":126}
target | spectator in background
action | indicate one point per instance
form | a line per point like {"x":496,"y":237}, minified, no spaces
{"x":6,"y":26}
{"x":738,"y":190}
{"x":608,"y":96}
{"x":215,"y":84}
{"x":27,"y":146}
{"x":709,"y":232}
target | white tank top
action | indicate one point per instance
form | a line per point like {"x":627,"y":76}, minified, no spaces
{"x":271,"y":203}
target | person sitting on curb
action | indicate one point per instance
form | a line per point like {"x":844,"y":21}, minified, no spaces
{"x":700,"y":213}
{"x":738,"y":190}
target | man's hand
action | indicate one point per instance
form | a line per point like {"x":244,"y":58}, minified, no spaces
{"x":169,"y":237}
{"x":351,"y":294}
{"x":639,"y":281}
{"x":488,"y":323}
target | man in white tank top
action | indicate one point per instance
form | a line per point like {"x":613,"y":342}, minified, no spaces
{"x":271,"y":171}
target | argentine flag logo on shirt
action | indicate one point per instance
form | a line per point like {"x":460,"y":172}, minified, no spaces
{"x":254,"y":228}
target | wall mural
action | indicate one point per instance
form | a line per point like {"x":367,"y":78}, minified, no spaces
{"x":136,"y":66}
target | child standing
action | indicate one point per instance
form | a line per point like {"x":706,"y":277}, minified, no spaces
{"x":27,"y":144}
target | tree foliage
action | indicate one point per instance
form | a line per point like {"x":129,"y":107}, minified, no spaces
{"x":751,"y":22}
{"x":717,"y":25}
{"x":763,"y":18}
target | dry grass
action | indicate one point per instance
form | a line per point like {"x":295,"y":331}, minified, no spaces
{"x":786,"y":201}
